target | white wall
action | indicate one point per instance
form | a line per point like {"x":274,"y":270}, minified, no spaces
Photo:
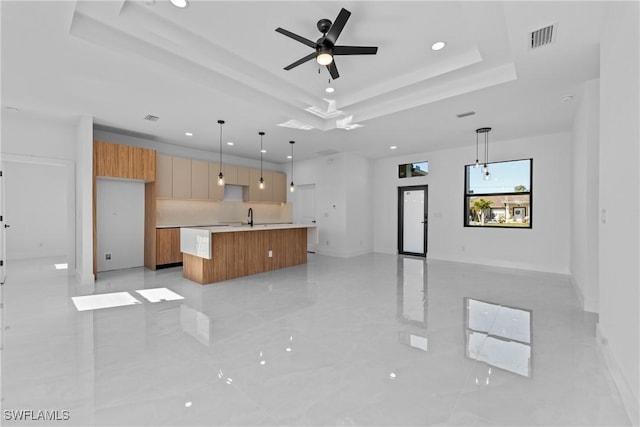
{"x":619,"y":278}
{"x":36,"y":209}
{"x":584,"y":208}
{"x":120,"y":221}
{"x":343,"y":207}
{"x":545,"y":247}
{"x":41,"y":138}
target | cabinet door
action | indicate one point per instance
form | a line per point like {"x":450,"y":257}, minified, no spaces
{"x":168,"y":246}
{"x":164,"y":176}
{"x":216,"y":192}
{"x":267,"y":192}
{"x":181,"y":178}
{"x":243,"y":176}
{"x":199,"y":179}
{"x":253,"y":193}
{"x":230,"y":174}
{"x":279,"y":187}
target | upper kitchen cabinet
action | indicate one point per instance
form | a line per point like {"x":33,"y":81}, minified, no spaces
{"x":230,"y":174}
{"x":273,"y":186}
{"x":216,"y":192}
{"x":181,"y":178}
{"x":279,"y":187}
{"x":199,"y":179}
{"x":123,"y":161}
{"x":164,"y":176}
{"x":243,"y":176}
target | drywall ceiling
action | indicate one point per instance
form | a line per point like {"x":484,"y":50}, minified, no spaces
{"x":120,"y":61}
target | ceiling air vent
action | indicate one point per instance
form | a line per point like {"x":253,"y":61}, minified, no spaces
{"x":152,"y":118}
{"x":543,"y":36}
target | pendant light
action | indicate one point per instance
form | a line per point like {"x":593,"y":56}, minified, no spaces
{"x":220,"y":175}
{"x":292,"y":187}
{"x":485,"y":169}
{"x":261,"y":180}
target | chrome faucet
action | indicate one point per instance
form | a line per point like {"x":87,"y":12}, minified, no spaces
{"x":250,"y":217}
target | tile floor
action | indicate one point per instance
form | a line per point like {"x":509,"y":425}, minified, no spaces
{"x":376,"y":340}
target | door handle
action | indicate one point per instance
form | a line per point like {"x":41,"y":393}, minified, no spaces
{"x":7,"y":226}
{"x":314,"y":221}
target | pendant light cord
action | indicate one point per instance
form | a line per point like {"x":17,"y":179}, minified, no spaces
{"x":220,"y":122}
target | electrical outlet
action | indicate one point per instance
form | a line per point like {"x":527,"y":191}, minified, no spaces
{"x":270,"y":254}
{"x":107,"y":256}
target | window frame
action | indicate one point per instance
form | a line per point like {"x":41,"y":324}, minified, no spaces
{"x":528,"y":210}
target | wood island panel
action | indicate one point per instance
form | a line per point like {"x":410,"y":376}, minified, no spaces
{"x":243,"y":253}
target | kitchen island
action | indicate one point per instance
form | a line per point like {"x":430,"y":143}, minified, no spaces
{"x":214,"y":254}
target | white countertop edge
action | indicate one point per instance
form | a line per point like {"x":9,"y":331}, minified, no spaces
{"x":262,"y":227}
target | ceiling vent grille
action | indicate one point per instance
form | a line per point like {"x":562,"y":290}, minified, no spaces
{"x":543,"y":36}
{"x":152,"y":118}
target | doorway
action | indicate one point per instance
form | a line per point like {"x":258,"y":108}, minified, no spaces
{"x":412,"y":220}
{"x":305,"y":210}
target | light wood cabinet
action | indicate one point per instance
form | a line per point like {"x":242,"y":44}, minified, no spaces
{"x":181,"y":178}
{"x":168,"y":246}
{"x":216,"y":192}
{"x":230,"y":174}
{"x":164,"y":176}
{"x":274,"y":185}
{"x":123,"y":161}
{"x":279,"y":187}
{"x":199,"y":179}
{"x":243,"y":176}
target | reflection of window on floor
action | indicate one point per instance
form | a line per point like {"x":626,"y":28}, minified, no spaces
{"x":498,"y":335}
{"x":502,"y":200}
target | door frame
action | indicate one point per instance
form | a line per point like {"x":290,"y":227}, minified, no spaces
{"x":401,"y":191}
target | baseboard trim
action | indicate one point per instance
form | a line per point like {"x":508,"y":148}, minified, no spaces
{"x":631,"y":404}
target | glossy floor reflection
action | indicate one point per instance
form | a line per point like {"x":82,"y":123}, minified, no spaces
{"x":373,"y":340}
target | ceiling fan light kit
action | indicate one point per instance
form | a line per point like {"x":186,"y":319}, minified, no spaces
{"x":325,"y":47}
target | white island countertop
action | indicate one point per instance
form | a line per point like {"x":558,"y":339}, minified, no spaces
{"x":196,"y":240}
{"x":256,"y":227}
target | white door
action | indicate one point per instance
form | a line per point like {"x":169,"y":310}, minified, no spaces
{"x":3,"y":240}
{"x":305,"y":212}
{"x":412,"y":230}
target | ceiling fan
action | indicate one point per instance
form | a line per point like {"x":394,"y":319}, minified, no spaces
{"x":325,"y":47}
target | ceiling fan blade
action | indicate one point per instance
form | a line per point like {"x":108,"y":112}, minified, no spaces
{"x":297,"y":37}
{"x":355,"y":50}
{"x":333,"y":70}
{"x":301,"y":61}
{"x":337,"y":26}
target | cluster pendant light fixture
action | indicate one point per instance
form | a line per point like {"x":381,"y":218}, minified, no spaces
{"x":220,"y":175}
{"x":292,"y":187}
{"x":485,"y":169}
{"x":261,"y":180}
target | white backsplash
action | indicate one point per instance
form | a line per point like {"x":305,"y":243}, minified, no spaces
{"x":202,"y":212}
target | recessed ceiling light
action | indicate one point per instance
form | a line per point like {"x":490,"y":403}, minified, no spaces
{"x":438,"y":45}
{"x":329,"y":89}
{"x":263,"y":151}
{"x":567,"y":98}
{"x":393,"y":147}
{"x":188,"y":133}
{"x":180,"y":3}
{"x":230,"y":143}
{"x":289,"y":157}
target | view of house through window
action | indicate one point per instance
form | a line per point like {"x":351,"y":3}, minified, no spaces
{"x":500,"y":199}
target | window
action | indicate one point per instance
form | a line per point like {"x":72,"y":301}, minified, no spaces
{"x":502,"y":200}
{"x":413,"y":169}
